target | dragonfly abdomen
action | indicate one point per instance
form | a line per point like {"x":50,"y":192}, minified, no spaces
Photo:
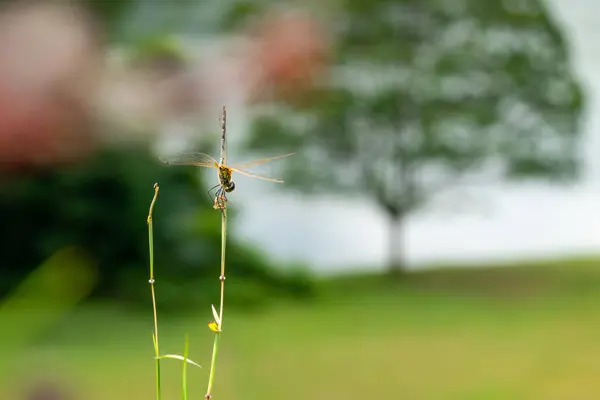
{"x":229,"y":187}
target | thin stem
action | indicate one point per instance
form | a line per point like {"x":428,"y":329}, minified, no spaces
{"x":222,"y":277}
{"x":213,"y":362}
{"x":184,"y":392}
{"x":223,"y":209}
{"x":151,"y":281}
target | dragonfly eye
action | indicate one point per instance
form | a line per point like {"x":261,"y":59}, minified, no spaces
{"x":230,"y":187}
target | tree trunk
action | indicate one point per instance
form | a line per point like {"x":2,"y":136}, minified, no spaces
{"x":396,"y":250}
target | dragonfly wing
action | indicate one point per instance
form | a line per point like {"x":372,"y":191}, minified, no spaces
{"x":197,"y":159}
{"x":254,"y":163}
{"x":256,"y":176}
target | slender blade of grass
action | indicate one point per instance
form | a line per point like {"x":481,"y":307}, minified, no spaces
{"x":184,"y":392}
{"x":151,"y":281}
{"x":213,"y":362}
{"x":222,"y":277}
{"x":157,"y":366}
{"x":45,"y":296}
{"x":181,"y":358}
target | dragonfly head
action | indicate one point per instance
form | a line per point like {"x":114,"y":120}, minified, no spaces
{"x":229,"y":187}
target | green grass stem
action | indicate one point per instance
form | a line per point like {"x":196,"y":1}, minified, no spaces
{"x":151,"y":281}
{"x":184,"y":391}
{"x":215,"y":352}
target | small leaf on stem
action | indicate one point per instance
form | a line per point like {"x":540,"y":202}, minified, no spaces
{"x":216,"y":315}
{"x":181,"y":358}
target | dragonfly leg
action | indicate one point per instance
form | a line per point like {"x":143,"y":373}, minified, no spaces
{"x":219,"y":202}
{"x":210,"y":190}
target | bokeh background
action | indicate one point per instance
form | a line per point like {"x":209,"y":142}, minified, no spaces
{"x":436,"y":236}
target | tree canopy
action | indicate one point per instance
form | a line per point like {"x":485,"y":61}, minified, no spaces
{"x":425,"y":93}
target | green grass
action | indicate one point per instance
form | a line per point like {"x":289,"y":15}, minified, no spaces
{"x":530,"y":332}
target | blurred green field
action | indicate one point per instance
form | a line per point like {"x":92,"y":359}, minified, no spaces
{"x":530,"y":332}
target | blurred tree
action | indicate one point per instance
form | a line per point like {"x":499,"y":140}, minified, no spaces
{"x":427,"y":93}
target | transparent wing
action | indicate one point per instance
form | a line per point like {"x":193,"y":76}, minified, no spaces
{"x":196,"y":159}
{"x":254,"y":163}
{"x":255,"y":175}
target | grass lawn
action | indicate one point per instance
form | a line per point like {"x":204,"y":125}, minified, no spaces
{"x":526,"y":332}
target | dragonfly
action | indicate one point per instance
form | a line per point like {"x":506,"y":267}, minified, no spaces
{"x":224,"y":172}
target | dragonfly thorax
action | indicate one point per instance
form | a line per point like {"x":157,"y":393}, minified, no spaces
{"x":225,"y":179}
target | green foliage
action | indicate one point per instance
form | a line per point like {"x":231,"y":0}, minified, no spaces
{"x":101,"y":205}
{"x":108,"y":12}
{"x":427,"y":93}
{"x":151,"y":49}
{"x":239,"y":12}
